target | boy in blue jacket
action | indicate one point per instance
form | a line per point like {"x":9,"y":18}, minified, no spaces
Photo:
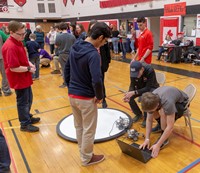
{"x":82,"y":75}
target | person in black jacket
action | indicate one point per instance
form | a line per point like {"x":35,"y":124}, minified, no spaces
{"x":105,"y":61}
{"x":143,"y":79}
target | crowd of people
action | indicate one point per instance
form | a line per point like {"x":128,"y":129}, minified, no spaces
{"x":84,"y":58}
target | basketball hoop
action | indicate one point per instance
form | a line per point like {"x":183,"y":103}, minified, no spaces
{"x":5,"y":9}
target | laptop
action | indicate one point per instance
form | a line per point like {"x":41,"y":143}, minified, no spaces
{"x":134,"y":151}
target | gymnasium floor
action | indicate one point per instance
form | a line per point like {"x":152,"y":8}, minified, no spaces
{"x":46,"y":152}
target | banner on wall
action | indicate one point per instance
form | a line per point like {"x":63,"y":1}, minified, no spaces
{"x":116,"y":3}
{"x":73,"y":1}
{"x":20,"y":2}
{"x":175,"y":9}
{"x":169,"y":26}
{"x":198,"y":30}
{"x":65,"y":2}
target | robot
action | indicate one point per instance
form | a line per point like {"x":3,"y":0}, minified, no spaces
{"x":134,"y":134}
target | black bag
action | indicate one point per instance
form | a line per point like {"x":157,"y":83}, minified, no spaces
{"x":176,"y":42}
{"x":175,"y":55}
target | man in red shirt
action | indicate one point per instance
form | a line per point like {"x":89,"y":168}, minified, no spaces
{"x":19,"y":71}
{"x":145,"y":42}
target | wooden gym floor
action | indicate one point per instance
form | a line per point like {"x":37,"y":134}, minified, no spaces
{"x":46,"y":152}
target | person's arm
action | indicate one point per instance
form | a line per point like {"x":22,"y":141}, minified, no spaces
{"x":148,"y":51}
{"x":170,"y":119}
{"x":22,"y":69}
{"x":96,"y":76}
{"x":149,"y":122}
{"x":135,"y":56}
{"x":132,"y":90}
{"x":67,"y":73}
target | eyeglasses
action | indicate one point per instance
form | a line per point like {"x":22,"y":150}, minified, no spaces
{"x":21,"y":35}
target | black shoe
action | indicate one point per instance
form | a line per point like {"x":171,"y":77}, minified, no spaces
{"x":143,"y":124}
{"x":35,"y":120}
{"x":104,"y":104}
{"x":29,"y":128}
{"x":136,"y":118}
{"x":56,"y":72}
{"x":45,"y":66}
{"x":63,"y":86}
{"x":166,"y":142}
{"x":7,"y":94}
{"x":0,"y":93}
{"x":156,"y":129}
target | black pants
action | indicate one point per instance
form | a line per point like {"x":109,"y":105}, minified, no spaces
{"x":24,"y":103}
{"x":4,"y":154}
{"x":180,"y":110}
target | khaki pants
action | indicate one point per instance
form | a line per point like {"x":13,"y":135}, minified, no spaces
{"x":85,"y":122}
{"x":44,"y":61}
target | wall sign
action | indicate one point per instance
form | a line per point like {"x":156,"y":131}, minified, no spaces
{"x":175,"y":9}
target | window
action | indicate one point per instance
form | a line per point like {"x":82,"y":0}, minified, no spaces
{"x":52,"y":8}
{"x":41,"y":8}
{"x":189,"y":26}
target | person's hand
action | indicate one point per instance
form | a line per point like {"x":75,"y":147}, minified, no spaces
{"x":32,"y":70}
{"x":145,"y":144}
{"x":142,"y":60}
{"x":133,"y":59}
{"x":31,"y":65}
{"x":128,"y":95}
{"x":97,"y":101}
{"x":155,"y":150}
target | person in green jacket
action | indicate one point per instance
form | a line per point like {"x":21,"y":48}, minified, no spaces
{"x":4,"y":36}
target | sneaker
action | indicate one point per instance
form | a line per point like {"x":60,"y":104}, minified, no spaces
{"x":136,"y":118}
{"x":29,"y":128}
{"x":7,"y":94}
{"x":56,"y":72}
{"x":104,"y":104}
{"x":63,"y":86}
{"x":156,"y":129}
{"x":35,"y":120}
{"x":45,"y":66}
{"x":143,"y":124}
{"x":166,"y":142}
{"x":0,"y":93}
{"x":95,"y":159}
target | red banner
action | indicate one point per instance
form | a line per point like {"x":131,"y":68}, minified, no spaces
{"x":65,"y":2}
{"x":116,"y":3}
{"x":20,"y":2}
{"x":175,"y":9}
{"x":73,"y":1}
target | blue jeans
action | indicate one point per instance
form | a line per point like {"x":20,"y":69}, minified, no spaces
{"x":24,"y":102}
{"x":36,"y":61}
{"x":123,"y":49}
{"x":132,"y":45}
{"x":115,"y":44}
{"x":4,"y":154}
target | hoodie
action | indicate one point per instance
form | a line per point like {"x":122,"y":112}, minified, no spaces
{"x":83,"y":72}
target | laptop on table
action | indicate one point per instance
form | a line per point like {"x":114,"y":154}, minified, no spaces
{"x":134,"y":151}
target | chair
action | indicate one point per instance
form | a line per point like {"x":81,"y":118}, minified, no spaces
{"x":190,"y":90}
{"x":160,"y":78}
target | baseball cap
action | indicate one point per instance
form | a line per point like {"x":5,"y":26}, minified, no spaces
{"x":135,"y":67}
